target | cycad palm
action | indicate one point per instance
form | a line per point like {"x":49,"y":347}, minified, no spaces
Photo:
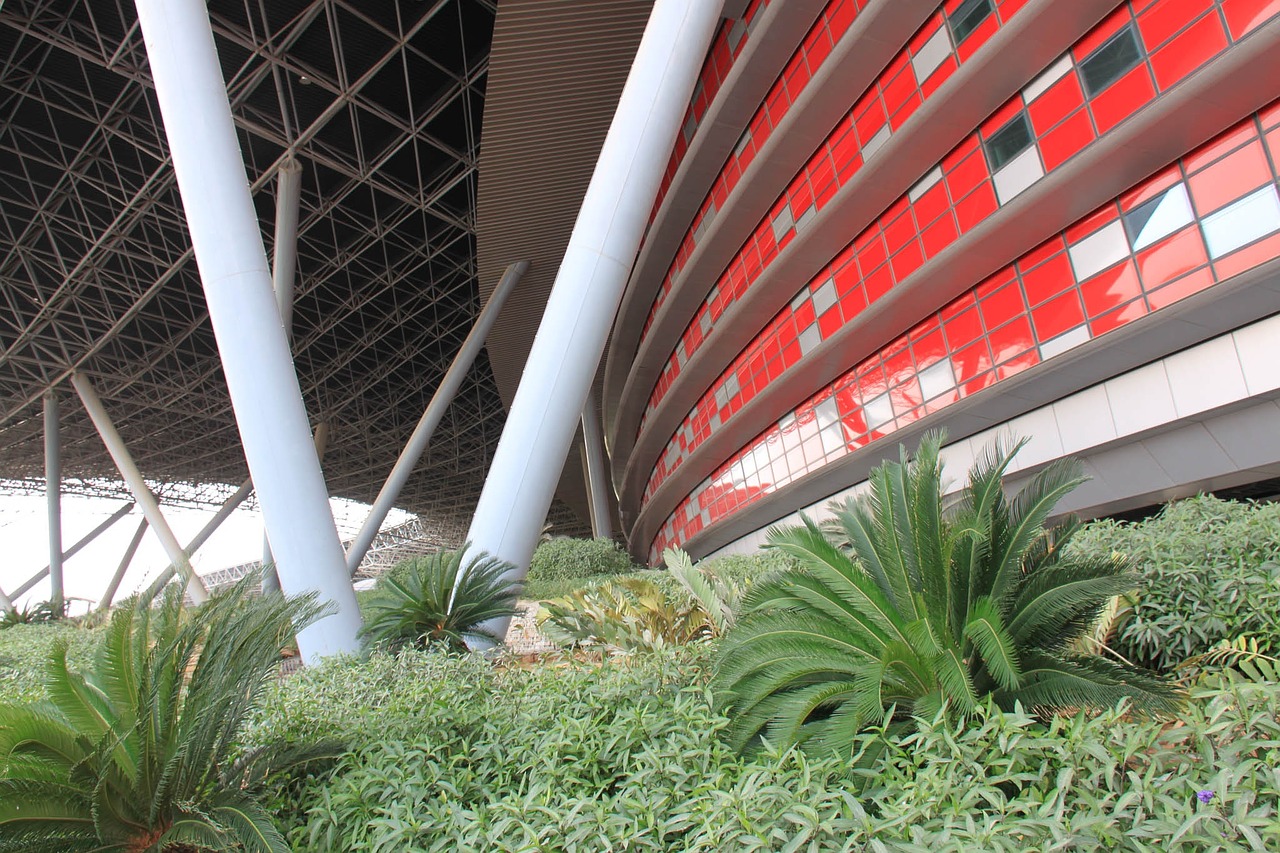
{"x":902,"y":604}
{"x":139,"y":753}
{"x":443,"y":598}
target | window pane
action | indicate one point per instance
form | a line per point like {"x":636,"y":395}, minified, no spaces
{"x":1159,"y":217}
{"x":1009,"y":141}
{"x":1109,"y":63}
{"x":967,"y":18}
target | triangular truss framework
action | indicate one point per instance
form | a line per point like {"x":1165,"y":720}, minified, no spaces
{"x":381,"y":103}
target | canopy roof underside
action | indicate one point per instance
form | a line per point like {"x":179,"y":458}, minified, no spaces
{"x":382,"y":105}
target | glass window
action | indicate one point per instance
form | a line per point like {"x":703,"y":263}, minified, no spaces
{"x":1008,"y":142}
{"x":1239,"y":224}
{"x":968,"y":17}
{"x":1108,"y":63}
{"x":1159,"y":217}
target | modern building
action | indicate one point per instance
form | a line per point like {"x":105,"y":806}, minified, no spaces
{"x":1055,"y":220}
{"x":807,"y":231}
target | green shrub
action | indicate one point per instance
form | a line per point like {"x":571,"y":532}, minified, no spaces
{"x":445,"y":598}
{"x":1210,"y":572}
{"x":563,"y":564}
{"x":906,"y":607}
{"x":137,"y":752}
{"x":450,"y":754}
{"x":746,"y":569}
{"x":633,"y":613}
{"x":24,"y":651}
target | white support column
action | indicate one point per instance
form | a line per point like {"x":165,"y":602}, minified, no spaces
{"x":74,"y":549}
{"x":430,"y":419}
{"x":588,"y":287}
{"x":141,"y":491}
{"x":270,"y":577}
{"x":284,"y":264}
{"x":284,"y":258}
{"x":211,"y":526}
{"x":597,"y":477}
{"x":109,"y":594}
{"x":53,"y":497}
{"x":246,"y":319}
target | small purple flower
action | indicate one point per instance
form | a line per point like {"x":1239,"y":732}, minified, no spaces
{"x":1204,"y":796}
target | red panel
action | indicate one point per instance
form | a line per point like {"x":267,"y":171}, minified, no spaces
{"x":1048,"y":280}
{"x":938,"y":236}
{"x":1002,"y":306}
{"x":1063,"y":142}
{"x":1180,"y":289}
{"x":1162,"y":20}
{"x":1220,"y":145}
{"x":1116,"y":286}
{"x":1057,"y":316}
{"x":1060,"y":100}
{"x":1172,"y":257}
{"x":907,"y":261}
{"x":963,"y":328}
{"x":1117,"y":318}
{"x":978,"y":206}
{"x":1103,"y":31}
{"x":1248,"y":257}
{"x":1246,"y":15}
{"x":1230,"y":178}
{"x":1123,"y":98}
{"x":829,"y":323}
{"x":1200,"y":43}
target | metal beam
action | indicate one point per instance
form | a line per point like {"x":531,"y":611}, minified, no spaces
{"x":138,"y":486}
{"x":430,"y":419}
{"x":246,"y":320}
{"x":74,"y":549}
{"x":109,"y":594}
{"x":53,"y":498}
{"x":224,"y":512}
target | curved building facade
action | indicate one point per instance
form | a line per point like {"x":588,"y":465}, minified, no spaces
{"x":1051,"y":219}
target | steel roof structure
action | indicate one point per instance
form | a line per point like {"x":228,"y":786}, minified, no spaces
{"x":382,"y":104}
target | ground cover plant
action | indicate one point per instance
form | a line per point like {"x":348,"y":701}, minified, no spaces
{"x":24,"y":649}
{"x":454,"y":753}
{"x":1210,"y":572}
{"x":138,"y":751}
{"x":908,"y":608}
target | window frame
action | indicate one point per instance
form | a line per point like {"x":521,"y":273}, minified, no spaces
{"x":1131,"y":31}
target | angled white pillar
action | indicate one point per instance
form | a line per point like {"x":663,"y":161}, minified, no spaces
{"x":284,"y":264}
{"x":588,"y":287}
{"x":53,"y":497}
{"x":141,"y":491}
{"x":246,"y":319}
{"x":430,"y":419}
{"x":109,"y":594}
{"x":270,"y":577}
{"x":210,"y":527}
{"x":75,"y":549}
{"x":597,"y":478}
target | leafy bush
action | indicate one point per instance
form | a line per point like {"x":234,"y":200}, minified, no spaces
{"x":635,"y":613}
{"x":746,"y":569}
{"x":911,"y":608}
{"x":1210,"y":572}
{"x":136,"y":753}
{"x":450,"y":753}
{"x":444,"y":598}
{"x":562,"y":564}
{"x":35,"y":614}
{"x":24,"y":649}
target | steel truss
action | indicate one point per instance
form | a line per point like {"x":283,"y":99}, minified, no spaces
{"x":381,"y":103}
